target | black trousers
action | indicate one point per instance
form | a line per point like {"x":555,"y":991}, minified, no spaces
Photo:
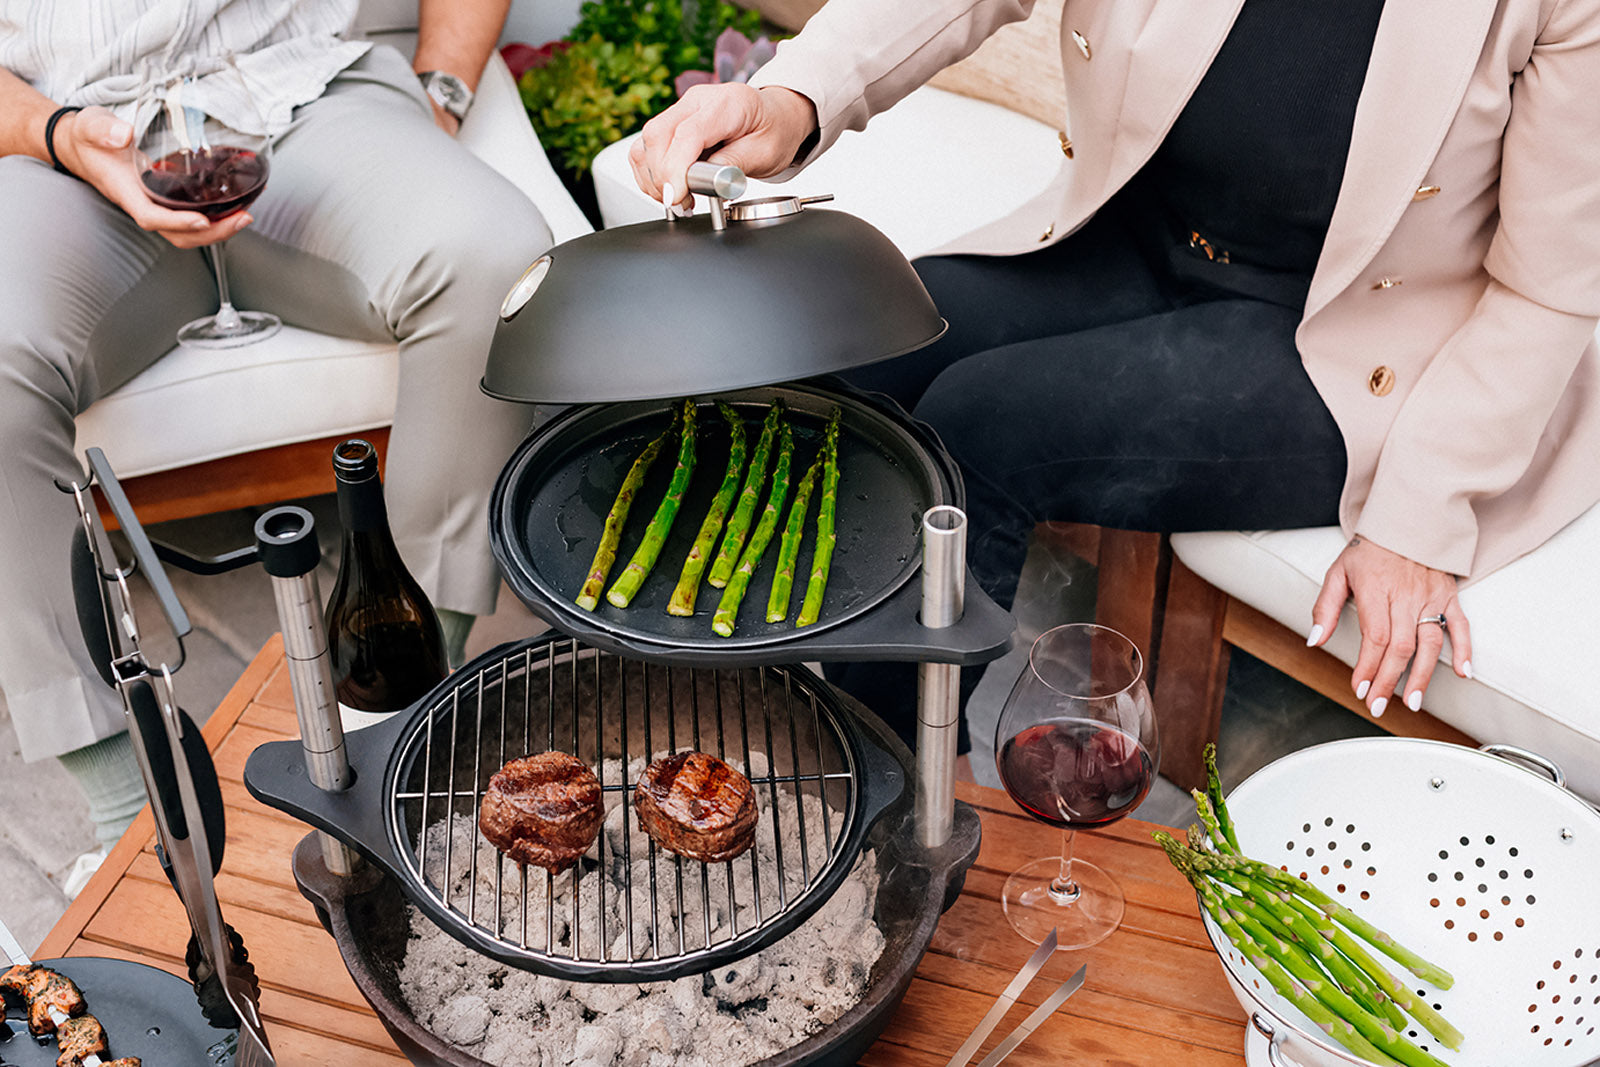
{"x":1116,"y":378}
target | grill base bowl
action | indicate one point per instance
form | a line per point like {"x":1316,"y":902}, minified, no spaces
{"x":367,"y":919}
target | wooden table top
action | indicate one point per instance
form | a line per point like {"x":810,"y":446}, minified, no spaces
{"x":1155,"y":992}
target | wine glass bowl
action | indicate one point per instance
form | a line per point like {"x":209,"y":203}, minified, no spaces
{"x":1076,"y":747}
{"x":191,"y":159}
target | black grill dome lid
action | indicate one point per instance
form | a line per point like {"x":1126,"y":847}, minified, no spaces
{"x":751,"y":293}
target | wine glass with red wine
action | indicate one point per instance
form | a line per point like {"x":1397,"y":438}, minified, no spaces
{"x":1076,"y":748}
{"x":193,"y":157}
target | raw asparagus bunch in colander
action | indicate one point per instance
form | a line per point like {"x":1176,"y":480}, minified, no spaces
{"x":1311,"y":948}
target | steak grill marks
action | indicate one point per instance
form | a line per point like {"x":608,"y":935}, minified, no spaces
{"x":610,"y":711}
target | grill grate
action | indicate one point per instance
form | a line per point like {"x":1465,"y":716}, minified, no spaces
{"x":629,"y":910}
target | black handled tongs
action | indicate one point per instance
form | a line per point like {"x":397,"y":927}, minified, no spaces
{"x":179,"y":775}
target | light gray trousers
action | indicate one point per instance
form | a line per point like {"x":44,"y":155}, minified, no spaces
{"x":374,"y":224}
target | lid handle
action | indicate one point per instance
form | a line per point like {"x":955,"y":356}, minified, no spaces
{"x":717,"y":182}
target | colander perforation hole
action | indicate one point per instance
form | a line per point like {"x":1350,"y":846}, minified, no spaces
{"x":1310,"y":849}
{"x":1486,"y":860}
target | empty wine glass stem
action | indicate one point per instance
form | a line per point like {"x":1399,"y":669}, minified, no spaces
{"x":227,"y":318}
{"x":1063,"y":890}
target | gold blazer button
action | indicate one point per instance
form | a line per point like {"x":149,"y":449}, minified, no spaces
{"x":1066,"y":143}
{"x":1425,"y":192}
{"x":1049,"y":232}
{"x":1381,"y":381}
{"x":1387,"y":283}
{"x":1083,"y":44}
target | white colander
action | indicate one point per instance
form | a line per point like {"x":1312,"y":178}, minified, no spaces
{"x":1480,"y":865}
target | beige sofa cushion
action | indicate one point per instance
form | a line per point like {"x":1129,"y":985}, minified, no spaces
{"x":1018,"y":68}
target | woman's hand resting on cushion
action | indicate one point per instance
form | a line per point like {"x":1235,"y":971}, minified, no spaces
{"x":1391,"y":594}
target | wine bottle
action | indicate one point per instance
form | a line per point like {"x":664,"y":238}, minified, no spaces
{"x":383,"y":635}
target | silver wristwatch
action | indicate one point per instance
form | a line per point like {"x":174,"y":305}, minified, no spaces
{"x":448,"y":91}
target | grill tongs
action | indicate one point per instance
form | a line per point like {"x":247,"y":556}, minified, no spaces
{"x":179,"y":775}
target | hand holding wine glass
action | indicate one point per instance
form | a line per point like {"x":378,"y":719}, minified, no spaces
{"x":1076,"y":747}
{"x":191,"y":160}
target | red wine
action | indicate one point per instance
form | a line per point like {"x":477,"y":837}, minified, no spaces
{"x":214,"y":181}
{"x":1076,"y":773}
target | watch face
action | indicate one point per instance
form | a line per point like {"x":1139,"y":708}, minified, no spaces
{"x":448,"y":91}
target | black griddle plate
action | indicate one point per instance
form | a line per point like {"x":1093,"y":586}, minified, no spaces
{"x":551,"y":501}
{"x":146,"y":1013}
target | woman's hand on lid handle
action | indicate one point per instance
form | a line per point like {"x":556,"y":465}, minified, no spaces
{"x":1393,"y":595}
{"x":757,"y":130}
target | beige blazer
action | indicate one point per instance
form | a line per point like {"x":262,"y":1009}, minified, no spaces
{"x":1451,"y":321}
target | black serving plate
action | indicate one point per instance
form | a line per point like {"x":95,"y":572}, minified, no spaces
{"x":551,"y":501}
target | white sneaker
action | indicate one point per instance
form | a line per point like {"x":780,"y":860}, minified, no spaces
{"x":82,"y":870}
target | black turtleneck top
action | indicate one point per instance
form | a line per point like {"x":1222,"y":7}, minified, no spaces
{"x":1254,"y":162}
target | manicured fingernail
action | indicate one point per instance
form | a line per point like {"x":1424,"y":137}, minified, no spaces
{"x":118,"y":135}
{"x":1414,"y":701}
{"x":1314,"y":636}
{"x":1361,"y":690}
{"x":199,"y":224}
{"x":1378,"y":706}
{"x":667,"y":197}
{"x":1466,"y":669}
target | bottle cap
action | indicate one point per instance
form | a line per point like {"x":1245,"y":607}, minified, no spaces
{"x":355,"y":460}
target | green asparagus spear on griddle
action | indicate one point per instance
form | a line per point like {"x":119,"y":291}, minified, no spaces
{"x":728,"y":608}
{"x":627,"y":585}
{"x":683,"y":596}
{"x":605,"y":554}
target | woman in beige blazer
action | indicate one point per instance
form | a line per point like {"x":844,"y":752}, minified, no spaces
{"x":1448,"y":324}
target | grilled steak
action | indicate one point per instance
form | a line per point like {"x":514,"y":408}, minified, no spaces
{"x":78,"y":1039}
{"x":697,"y":806}
{"x":543,"y":809}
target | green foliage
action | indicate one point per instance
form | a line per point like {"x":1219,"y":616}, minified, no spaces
{"x":595,"y":92}
{"x":686,"y":30}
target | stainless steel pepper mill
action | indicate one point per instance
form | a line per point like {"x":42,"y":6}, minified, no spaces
{"x":286,"y":541}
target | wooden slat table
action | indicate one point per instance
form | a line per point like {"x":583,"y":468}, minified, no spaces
{"x":1155,"y":992}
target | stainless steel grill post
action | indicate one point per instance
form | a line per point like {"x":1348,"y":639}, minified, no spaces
{"x":944,"y":569}
{"x":286,"y":540}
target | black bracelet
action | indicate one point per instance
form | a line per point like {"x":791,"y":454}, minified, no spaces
{"x":50,"y":137}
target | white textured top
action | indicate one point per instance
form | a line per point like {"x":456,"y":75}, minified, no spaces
{"x":93,"y":51}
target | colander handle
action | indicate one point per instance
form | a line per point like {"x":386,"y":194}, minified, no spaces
{"x":1512,"y":753}
{"x":1274,"y":1040}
